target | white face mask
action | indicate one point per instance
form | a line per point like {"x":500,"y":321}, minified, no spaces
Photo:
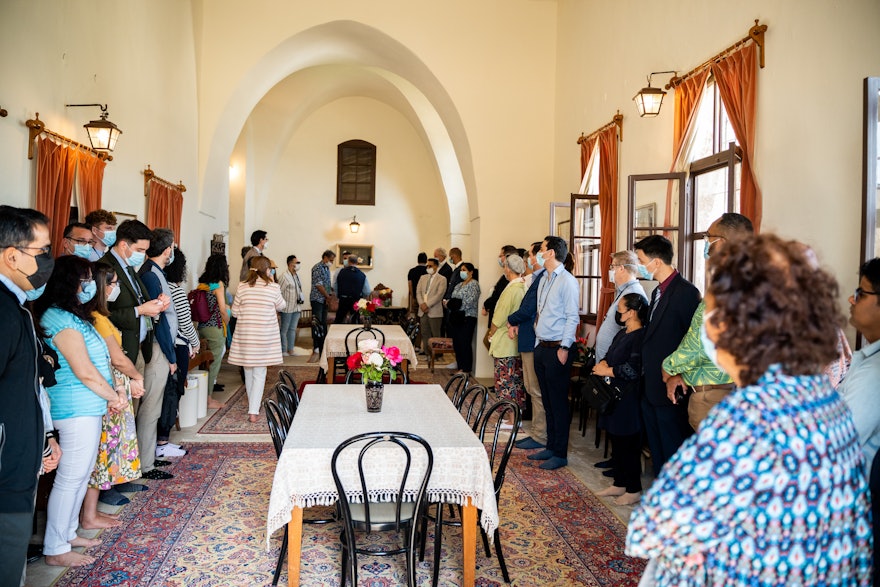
{"x":430,"y":271}
{"x":296,"y":266}
{"x":114,"y":293}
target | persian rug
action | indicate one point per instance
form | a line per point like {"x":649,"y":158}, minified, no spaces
{"x":206,"y":527}
{"x":233,"y":417}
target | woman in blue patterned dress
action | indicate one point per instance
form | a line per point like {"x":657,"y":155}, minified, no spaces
{"x":463,"y":321}
{"x":772,"y":489}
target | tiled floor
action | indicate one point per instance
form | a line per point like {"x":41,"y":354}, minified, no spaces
{"x":582,"y":455}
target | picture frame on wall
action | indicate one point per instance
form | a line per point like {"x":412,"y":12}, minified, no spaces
{"x":364,"y":252}
{"x":123,"y":216}
{"x":646,"y":215}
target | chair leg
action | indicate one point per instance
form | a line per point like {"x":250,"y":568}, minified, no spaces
{"x":423,"y":538}
{"x":501,"y":556}
{"x":438,"y":543}
{"x":485,"y":542}
{"x":280,"y":558}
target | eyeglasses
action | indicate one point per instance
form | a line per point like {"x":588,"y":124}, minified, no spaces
{"x":863,"y":292}
{"x":43,"y":250}
{"x":80,"y":241}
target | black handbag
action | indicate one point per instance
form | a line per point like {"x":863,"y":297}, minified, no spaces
{"x":600,"y":393}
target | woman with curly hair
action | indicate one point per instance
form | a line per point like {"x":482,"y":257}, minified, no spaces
{"x":772,"y":489}
{"x":213,"y":281}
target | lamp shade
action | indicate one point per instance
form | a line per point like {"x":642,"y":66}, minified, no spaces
{"x":354,"y":225}
{"x":648,"y":101}
{"x":103,"y":134}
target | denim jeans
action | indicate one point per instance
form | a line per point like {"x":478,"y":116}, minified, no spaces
{"x":289,"y":324}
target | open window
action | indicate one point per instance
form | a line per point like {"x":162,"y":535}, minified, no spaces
{"x":586,"y":233}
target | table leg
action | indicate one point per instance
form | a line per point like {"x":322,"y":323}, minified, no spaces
{"x":469,"y":542}
{"x":294,"y":545}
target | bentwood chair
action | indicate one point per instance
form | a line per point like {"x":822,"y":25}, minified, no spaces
{"x":285,"y":377}
{"x":493,"y":427}
{"x":286,"y":401}
{"x":455,"y":386}
{"x":278,"y":431}
{"x":397,"y":515}
{"x":472,"y":402}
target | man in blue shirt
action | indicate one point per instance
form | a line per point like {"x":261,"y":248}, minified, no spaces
{"x":859,"y":386}
{"x":318,"y":297}
{"x":557,"y":319}
{"x":622,"y":273}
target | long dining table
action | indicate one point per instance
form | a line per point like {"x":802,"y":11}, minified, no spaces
{"x":329,"y":414}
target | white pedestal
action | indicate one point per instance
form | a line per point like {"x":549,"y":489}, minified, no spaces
{"x":203,"y":390}
{"x":188,"y":410}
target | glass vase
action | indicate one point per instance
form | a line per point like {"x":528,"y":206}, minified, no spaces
{"x":367,"y":320}
{"x":375,"y":391}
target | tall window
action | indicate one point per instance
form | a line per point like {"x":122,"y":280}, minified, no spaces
{"x":356,"y":173}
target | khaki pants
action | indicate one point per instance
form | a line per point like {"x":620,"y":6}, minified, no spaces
{"x":701,"y":401}
{"x":155,"y":377}
{"x":538,"y":425}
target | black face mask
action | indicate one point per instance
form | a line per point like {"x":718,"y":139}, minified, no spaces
{"x":45,"y":265}
{"x":617,"y":319}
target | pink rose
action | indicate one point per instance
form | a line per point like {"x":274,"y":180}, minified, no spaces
{"x":393,"y":354}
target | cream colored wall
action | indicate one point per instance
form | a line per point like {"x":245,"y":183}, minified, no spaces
{"x":808,"y":146}
{"x":142,"y":64}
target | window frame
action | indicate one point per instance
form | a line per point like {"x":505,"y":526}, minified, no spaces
{"x":341,"y":168}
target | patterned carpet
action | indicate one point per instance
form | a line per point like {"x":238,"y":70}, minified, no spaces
{"x":206,"y":528}
{"x":232,"y":418}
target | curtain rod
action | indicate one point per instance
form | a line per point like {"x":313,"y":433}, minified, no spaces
{"x":37,"y":127}
{"x":756,"y":34}
{"x":616,"y":120}
{"x":150,"y":175}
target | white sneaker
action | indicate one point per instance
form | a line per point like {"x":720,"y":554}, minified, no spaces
{"x":452,"y":365}
{"x":167,"y":450}
{"x":298,"y":352}
{"x":171,"y":444}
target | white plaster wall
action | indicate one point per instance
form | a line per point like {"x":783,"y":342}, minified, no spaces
{"x":809,"y":116}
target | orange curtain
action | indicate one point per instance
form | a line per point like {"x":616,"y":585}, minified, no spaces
{"x":586,"y":153}
{"x":737,"y":84}
{"x":56,"y":166}
{"x":608,"y":182}
{"x":90,"y":179}
{"x":687,"y":98}
{"x":164,"y":207}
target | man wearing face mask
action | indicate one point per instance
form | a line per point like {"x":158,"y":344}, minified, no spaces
{"x":318,"y":295}
{"x":673,"y":303}
{"x":622,"y":273}
{"x":103,"y":227}
{"x":164,"y":354}
{"x":25,"y":266}
{"x":689,"y":369}
{"x":351,"y":285}
{"x":334,"y":278}
{"x":259,"y":242}
{"x":78,"y":240}
{"x":429,"y":297}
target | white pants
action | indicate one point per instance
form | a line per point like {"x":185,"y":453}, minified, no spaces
{"x":155,"y":377}
{"x":254,"y":382}
{"x":79,"y":438}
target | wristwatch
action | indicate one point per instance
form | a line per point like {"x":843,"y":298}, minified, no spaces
{"x":565,"y":348}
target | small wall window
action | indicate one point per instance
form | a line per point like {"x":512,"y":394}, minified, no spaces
{"x":356,"y":173}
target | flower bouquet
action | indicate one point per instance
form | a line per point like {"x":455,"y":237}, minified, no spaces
{"x":366,"y":308}
{"x":384,"y":294}
{"x":372,"y":362}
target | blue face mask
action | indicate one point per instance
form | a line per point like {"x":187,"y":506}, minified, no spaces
{"x":463,"y":275}
{"x":707,"y":244}
{"x":644,"y":273}
{"x":539,"y":257}
{"x":88,"y":291}
{"x":171,"y":257}
{"x":531,"y":265}
{"x":109,"y":238}
{"x":271,"y":272}
{"x":136,"y":259}
{"x":708,"y":346}
{"x":83,"y":251}
{"x":33,"y":294}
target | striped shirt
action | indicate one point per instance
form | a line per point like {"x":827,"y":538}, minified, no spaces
{"x":186,"y":332}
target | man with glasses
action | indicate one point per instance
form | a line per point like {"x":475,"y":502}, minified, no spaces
{"x":78,"y":240}
{"x":25,"y":266}
{"x":859,"y":385}
{"x":622,"y":273}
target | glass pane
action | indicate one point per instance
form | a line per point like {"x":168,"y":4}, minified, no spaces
{"x":699,"y":279}
{"x":560,"y":220}
{"x":588,"y":298}
{"x":363,"y":192}
{"x":586,"y":257}
{"x":587,"y":219}
{"x":364,"y":174}
{"x":703,"y":144}
{"x":877,"y":198}
{"x":651,"y":197}
{"x":349,"y":156}
{"x":710,"y":201}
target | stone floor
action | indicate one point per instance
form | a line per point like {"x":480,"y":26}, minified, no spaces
{"x":582,"y":456}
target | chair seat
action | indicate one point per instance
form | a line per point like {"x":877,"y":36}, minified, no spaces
{"x":440,"y":344}
{"x":382,"y":513}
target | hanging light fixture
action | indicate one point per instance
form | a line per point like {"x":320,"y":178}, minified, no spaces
{"x":649,"y":100}
{"x":103,"y":134}
{"x":354,"y":226}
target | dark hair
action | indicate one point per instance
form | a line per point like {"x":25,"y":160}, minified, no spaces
{"x":96,"y":217}
{"x":639,"y":303}
{"x":290,"y":258}
{"x":656,"y":246}
{"x":69,"y":228}
{"x":102,"y":275}
{"x":62,"y":287}
{"x":522,"y":253}
{"x":422,"y":258}
{"x":536,"y":246}
{"x":434,"y":261}
{"x":328,"y":254}
{"x":17,"y":225}
{"x":870,"y":270}
{"x":216,"y":270}
{"x":257,"y":236}
{"x":558,"y":246}
{"x":160,"y":239}
{"x":132,"y":231}
{"x":470,"y":268}
{"x":568,"y":264}
{"x":508,"y":250}
{"x":455,"y":250}
{"x":175,"y":271}
{"x":758,"y":286}
{"x":736,"y":224}
{"x":244,"y":251}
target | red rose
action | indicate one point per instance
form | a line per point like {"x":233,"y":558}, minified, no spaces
{"x":354,"y":361}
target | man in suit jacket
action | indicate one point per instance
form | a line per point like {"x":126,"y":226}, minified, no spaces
{"x":673,"y":303}
{"x":429,"y":297}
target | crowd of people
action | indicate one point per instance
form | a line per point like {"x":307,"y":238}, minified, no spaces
{"x":762,"y":424}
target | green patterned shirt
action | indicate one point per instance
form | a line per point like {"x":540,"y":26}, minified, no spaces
{"x":690,"y":361}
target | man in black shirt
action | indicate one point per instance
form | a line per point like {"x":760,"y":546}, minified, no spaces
{"x":412,"y":278}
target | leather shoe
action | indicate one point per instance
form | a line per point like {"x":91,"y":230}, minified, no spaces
{"x":541,"y":456}
{"x":608,"y":473}
{"x":528,"y":443}
{"x":161,"y":463}
{"x":129,"y":487}
{"x":157,"y":474}
{"x":553,"y":463}
{"x":219,"y":387}
{"x":603,"y":464}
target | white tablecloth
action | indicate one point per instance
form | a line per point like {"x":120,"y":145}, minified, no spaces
{"x":334,"y":342}
{"x":329,"y":414}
